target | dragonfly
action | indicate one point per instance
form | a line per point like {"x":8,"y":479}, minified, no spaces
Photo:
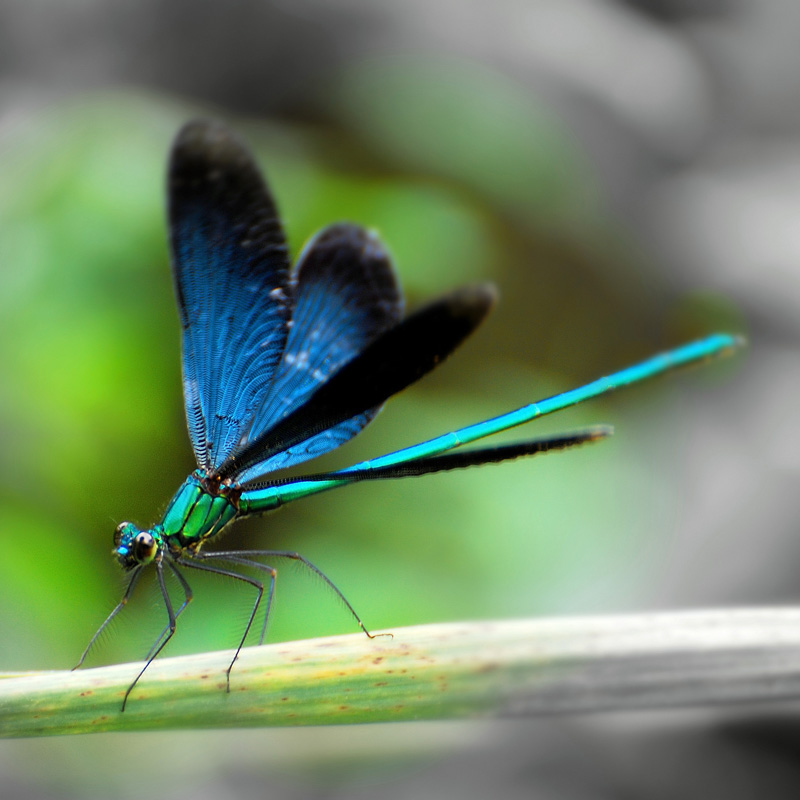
{"x":282,"y":364}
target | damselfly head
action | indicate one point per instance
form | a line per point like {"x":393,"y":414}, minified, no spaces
{"x":133,"y":547}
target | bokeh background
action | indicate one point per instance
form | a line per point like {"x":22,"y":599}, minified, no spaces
{"x":627,"y":173}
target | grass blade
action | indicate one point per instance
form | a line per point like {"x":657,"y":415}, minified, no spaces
{"x":447,"y":671}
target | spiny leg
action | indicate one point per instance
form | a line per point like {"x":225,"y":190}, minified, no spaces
{"x":290,"y":554}
{"x":171,"y":626}
{"x":194,"y":563}
{"x":233,"y":558}
{"x":122,"y":603}
{"x":188,"y":597}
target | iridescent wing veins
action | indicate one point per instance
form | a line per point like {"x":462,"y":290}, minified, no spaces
{"x":390,"y":363}
{"x":231,"y":273}
{"x":346,"y":294}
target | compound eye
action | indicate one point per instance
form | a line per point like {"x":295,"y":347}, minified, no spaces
{"x":144,"y":547}
{"x":118,"y":531}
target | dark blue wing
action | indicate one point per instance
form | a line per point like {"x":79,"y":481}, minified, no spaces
{"x":231,"y":274}
{"x":390,"y":363}
{"x":346,"y":295}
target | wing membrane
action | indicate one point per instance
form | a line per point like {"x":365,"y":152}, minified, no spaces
{"x":393,"y":361}
{"x":346,"y":294}
{"x":427,"y":465}
{"x":231,"y":275}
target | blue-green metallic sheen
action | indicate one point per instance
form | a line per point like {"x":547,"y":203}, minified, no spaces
{"x":283,"y":363}
{"x":272,"y":497}
{"x":193,"y":516}
{"x":197,"y":514}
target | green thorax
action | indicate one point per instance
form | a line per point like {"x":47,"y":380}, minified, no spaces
{"x":195,"y":514}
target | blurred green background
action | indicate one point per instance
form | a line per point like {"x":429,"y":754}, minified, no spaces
{"x":91,"y":404}
{"x":468,"y":176}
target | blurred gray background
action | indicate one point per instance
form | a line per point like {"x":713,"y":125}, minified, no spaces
{"x":628,"y":173}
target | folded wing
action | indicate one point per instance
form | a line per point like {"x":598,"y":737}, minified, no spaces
{"x":231,"y":273}
{"x":346,"y":295}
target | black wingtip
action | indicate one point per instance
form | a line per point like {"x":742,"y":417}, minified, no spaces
{"x":472,"y":302}
{"x":202,"y":132}
{"x":214,"y":183}
{"x":202,"y":144}
{"x":396,"y":359}
{"x":196,"y":128}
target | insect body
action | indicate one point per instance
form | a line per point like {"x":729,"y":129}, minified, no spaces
{"x":281,"y":365}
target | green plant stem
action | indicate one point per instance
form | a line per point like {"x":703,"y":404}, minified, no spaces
{"x":447,"y":671}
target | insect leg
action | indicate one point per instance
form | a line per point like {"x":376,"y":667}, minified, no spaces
{"x":171,"y":626}
{"x":290,"y":554}
{"x":122,"y":603}
{"x":194,"y":563}
{"x":233,"y":558}
{"x":188,"y":597}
